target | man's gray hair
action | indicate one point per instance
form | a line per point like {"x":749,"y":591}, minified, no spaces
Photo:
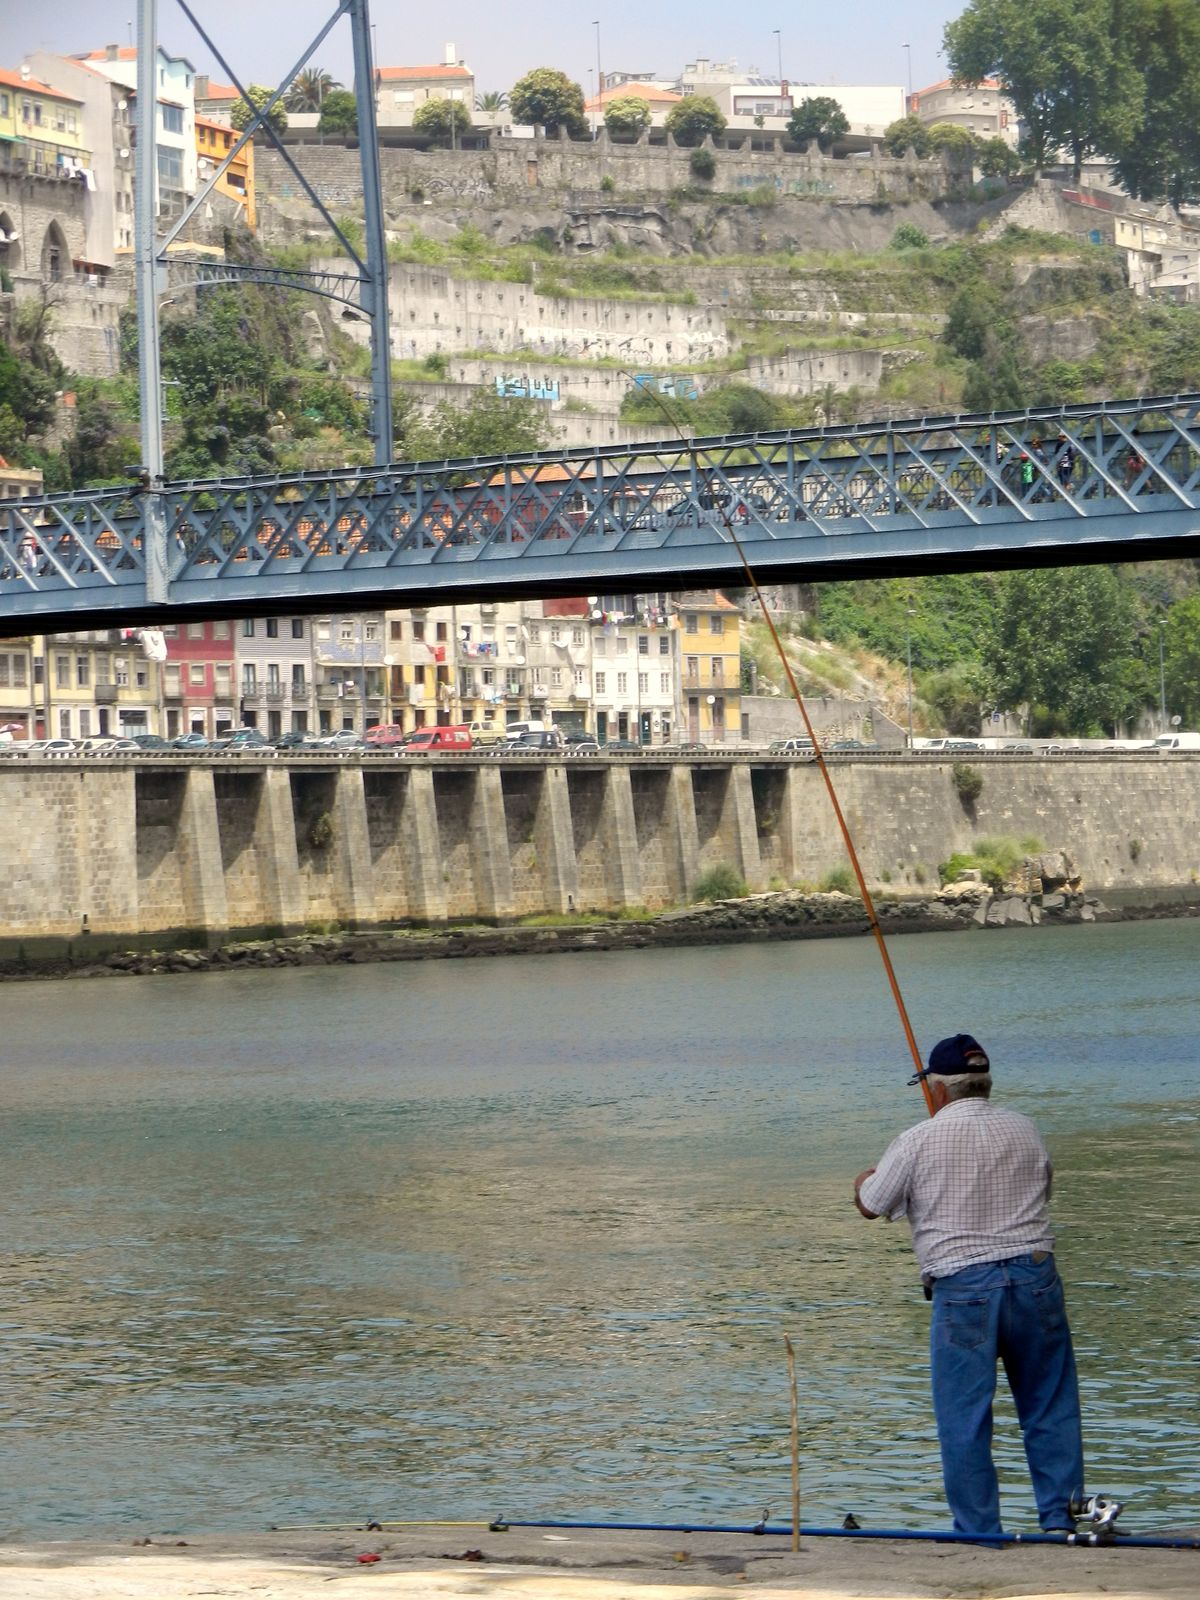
{"x":965,"y":1085}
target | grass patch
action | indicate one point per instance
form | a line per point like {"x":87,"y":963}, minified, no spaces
{"x":838,"y":880}
{"x":997,"y":859}
{"x":721,"y":882}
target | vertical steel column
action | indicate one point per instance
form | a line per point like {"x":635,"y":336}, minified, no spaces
{"x":154,"y":543}
{"x":375,"y":288}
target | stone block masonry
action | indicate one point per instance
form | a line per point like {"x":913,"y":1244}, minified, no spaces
{"x":114,"y":851}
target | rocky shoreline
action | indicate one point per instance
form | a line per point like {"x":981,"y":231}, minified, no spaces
{"x":786,"y":914}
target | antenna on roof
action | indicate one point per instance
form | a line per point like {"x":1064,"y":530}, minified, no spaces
{"x":129,"y":30}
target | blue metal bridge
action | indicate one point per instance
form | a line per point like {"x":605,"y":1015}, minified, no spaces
{"x":934,"y":495}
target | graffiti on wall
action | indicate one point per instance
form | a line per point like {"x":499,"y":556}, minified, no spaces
{"x":679,"y":388}
{"x":527,"y":388}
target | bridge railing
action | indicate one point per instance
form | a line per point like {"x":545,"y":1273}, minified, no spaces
{"x":1037,"y":476}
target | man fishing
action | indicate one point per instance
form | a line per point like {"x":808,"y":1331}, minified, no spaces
{"x":974,"y":1182}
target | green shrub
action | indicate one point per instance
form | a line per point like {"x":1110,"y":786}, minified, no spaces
{"x":320,"y":831}
{"x":721,"y":882}
{"x":968,"y":781}
{"x":838,"y":880}
{"x":702,"y":164}
{"x":909,"y":237}
{"x":607,"y":184}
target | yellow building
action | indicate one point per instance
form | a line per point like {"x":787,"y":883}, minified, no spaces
{"x":214,"y":140}
{"x":41,"y":127}
{"x":710,"y":666}
{"x":96,"y":683}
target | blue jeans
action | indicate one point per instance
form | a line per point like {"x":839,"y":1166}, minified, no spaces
{"x":1012,"y":1311}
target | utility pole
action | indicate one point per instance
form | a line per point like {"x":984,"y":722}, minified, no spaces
{"x":908,"y":616}
{"x":146,"y":252}
{"x":1162,"y":677}
{"x":375,"y":288}
{"x":599,"y":81}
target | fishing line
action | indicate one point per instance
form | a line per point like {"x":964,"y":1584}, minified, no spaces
{"x":720,"y":502}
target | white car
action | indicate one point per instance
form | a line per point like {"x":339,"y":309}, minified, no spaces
{"x":47,"y":747}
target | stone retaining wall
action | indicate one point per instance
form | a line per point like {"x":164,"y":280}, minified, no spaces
{"x":113,"y":849}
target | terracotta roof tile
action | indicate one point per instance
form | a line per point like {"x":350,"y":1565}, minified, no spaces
{"x":406,"y":74}
{"x":14,"y":80}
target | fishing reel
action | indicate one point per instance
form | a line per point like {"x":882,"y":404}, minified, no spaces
{"x":1101,"y":1513}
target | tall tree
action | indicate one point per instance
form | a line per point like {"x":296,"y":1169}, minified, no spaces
{"x":339,"y":113}
{"x":629,"y":115}
{"x":1062,"y":642}
{"x":309,"y":89}
{"x":1157,"y":151}
{"x":441,"y":121}
{"x":820,"y":118}
{"x":259,"y":95}
{"x":494,"y":100}
{"x":692,"y":120}
{"x":1063,"y":64}
{"x":547,"y":97}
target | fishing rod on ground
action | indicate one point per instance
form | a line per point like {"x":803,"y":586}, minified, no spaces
{"x":720,"y":502}
{"x":1099,"y":1539}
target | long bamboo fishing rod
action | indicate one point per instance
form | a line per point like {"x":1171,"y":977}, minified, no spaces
{"x":706,"y":474}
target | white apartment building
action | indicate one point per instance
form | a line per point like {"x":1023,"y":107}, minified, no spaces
{"x":981,"y":108}
{"x":176,"y":134}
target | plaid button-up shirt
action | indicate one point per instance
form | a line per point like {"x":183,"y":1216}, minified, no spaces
{"x":973,"y":1182}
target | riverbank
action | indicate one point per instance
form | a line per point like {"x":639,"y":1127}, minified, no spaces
{"x":447,"y":1562}
{"x":759,"y":917}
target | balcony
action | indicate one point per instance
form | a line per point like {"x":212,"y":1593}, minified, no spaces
{"x":276,"y":692}
{"x":106,"y":694}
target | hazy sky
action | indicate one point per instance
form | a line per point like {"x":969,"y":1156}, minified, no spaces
{"x":858,"y":42}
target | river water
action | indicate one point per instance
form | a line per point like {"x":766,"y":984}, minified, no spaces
{"x":524,"y":1236}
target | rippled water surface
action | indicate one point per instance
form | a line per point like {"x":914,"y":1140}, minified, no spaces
{"x":525,"y":1235}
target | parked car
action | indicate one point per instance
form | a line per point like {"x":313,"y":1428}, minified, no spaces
{"x":344,"y":739}
{"x":1178,"y":741}
{"x":693,"y":747}
{"x":190,"y":741}
{"x":151,"y":741}
{"x":291,"y":741}
{"x":486,"y":734}
{"x":791,"y":747}
{"x":96,"y":744}
{"x":583,"y":744}
{"x":540,"y":739}
{"x":122,"y":747}
{"x":46,"y":747}
{"x":622,"y":747}
{"x":384,"y":736}
{"x":852,"y":747}
{"x":241,"y":739}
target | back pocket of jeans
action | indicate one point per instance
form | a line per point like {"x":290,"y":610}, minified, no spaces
{"x":963,"y":1322}
{"x":1052,"y":1310}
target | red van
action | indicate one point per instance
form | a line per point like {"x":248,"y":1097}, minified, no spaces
{"x":454,"y":740}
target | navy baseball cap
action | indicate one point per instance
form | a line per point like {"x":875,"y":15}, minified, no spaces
{"x":952,"y":1058}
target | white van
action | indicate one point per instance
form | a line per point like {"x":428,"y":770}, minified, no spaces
{"x":1178,"y":741}
{"x":514,"y":730}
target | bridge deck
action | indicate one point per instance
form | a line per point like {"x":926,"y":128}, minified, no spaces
{"x":1085,"y":483}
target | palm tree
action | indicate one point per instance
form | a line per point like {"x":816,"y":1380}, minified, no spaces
{"x":494,"y":100}
{"x":309,"y":89}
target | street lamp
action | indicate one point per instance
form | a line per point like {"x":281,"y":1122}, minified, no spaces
{"x":908,"y":49}
{"x":779,"y":53}
{"x":599,"y":79}
{"x":1162,"y":678}
{"x":909,"y":612}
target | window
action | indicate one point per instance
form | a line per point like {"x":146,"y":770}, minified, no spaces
{"x":248,"y":628}
{"x":693,"y":667}
{"x":272,"y":627}
{"x":716,"y":624}
{"x":576,"y":635}
{"x":643,"y":645}
{"x":418,"y":628}
{"x":577,"y":677}
{"x":346,"y":632}
{"x":643,"y":682}
{"x":556,"y":678}
{"x":622,"y":646}
{"x":224,"y":684}
{"x":371,"y":633}
{"x":323,"y":628}
{"x":85,"y":721}
{"x":197,"y":674}
{"x":102,"y":670}
{"x":195,"y":630}
{"x":220,"y":630}
{"x":489,"y":677}
{"x":3,"y":672}
{"x":442,"y":633}
{"x":172,"y":119}
{"x":600,"y":683}
{"x":718,"y":669}
{"x":171,"y":683}
{"x":299,"y":687}
{"x":273,"y":683}
{"x":535,"y":633}
{"x":170,"y":167}
{"x":64,"y":724}
{"x":556,"y":634}
{"x":297,"y":627}
{"x":691,"y":623}
{"x":664,"y":683}
{"x":600,"y":646}
{"x":18,"y":672}
{"x":141,"y":675}
{"x":83,"y":672}
{"x":397,"y":629}
{"x":664,"y":645}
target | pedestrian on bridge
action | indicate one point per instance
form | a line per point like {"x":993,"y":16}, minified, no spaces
{"x":974,"y":1182}
{"x":1066,"y":461}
